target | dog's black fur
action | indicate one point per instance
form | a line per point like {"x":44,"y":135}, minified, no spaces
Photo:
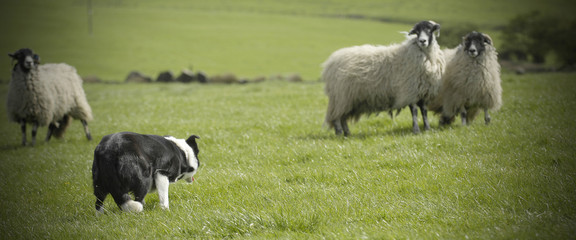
{"x":130,"y":162}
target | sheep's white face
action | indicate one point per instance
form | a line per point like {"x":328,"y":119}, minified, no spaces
{"x":28,"y":62}
{"x":25,"y":58}
{"x":424,"y":32}
{"x":475,"y":43}
{"x":473,"y":51}
{"x":423,"y":39}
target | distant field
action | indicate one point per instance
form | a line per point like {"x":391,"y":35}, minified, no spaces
{"x":269,"y":169}
{"x":249,"y":38}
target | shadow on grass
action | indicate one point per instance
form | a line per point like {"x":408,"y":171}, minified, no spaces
{"x":402,"y":131}
{"x":15,"y":145}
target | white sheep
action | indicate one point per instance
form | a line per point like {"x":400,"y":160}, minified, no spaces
{"x":370,"y":79}
{"x":471,"y":81}
{"x":48,"y":94}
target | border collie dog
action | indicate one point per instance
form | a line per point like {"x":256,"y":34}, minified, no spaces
{"x":135,"y":163}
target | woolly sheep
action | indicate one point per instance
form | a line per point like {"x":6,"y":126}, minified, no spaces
{"x":369,"y":79}
{"x":471,"y":81}
{"x":47,"y":94}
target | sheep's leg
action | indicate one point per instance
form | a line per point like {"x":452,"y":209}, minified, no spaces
{"x":424,"y":111}
{"x":51,"y":128}
{"x":463,"y":115}
{"x":34,"y":131}
{"x":414,"y":110}
{"x":487,"y":116}
{"x":444,"y":120}
{"x":23,"y":128}
{"x":86,"y":130}
{"x":337,"y":126}
{"x":345,"y":127}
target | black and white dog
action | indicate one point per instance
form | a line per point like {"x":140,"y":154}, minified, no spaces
{"x":130,"y":162}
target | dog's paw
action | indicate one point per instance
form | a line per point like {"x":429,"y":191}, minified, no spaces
{"x":132,"y":206}
{"x":164,"y":206}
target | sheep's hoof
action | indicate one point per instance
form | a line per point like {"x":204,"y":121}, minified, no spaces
{"x":445,"y":121}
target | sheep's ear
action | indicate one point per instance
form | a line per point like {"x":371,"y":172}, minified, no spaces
{"x":435,"y":27}
{"x":487,"y":39}
{"x":413,"y":31}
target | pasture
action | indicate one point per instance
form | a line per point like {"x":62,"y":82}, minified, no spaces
{"x":268,"y":168}
{"x":249,"y":38}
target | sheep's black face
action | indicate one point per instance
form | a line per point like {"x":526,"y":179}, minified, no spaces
{"x":475,"y":43}
{"x":25,"y":59}
{"x":424,"y":32}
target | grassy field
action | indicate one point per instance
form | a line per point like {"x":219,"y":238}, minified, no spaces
{"x":270,"y":170}
{"x":249,"y":38}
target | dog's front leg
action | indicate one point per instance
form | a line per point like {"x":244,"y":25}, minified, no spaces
{"x":162,"y":187}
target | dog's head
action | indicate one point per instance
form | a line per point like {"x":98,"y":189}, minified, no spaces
{"x":190,"y":149}
{"x":191,"y":141}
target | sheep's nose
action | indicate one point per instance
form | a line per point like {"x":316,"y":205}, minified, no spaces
{"x":422,"y":40}
{"x":28,"y":64}
{"x":472,"y":50}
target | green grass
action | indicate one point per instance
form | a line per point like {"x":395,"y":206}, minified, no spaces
{"x":249,"y":38}
{"x":269,"y":169}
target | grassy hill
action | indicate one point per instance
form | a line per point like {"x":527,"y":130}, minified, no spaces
{"x":248,"y":38}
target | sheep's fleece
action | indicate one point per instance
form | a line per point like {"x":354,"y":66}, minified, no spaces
{"x":471,"y":81}
{"x":46,"y":94}
{"x":369,"y":79}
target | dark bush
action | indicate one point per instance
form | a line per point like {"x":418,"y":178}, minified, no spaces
{"x":533,"y":36}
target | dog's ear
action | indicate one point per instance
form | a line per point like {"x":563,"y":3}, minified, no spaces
{"x":191,"y":141}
